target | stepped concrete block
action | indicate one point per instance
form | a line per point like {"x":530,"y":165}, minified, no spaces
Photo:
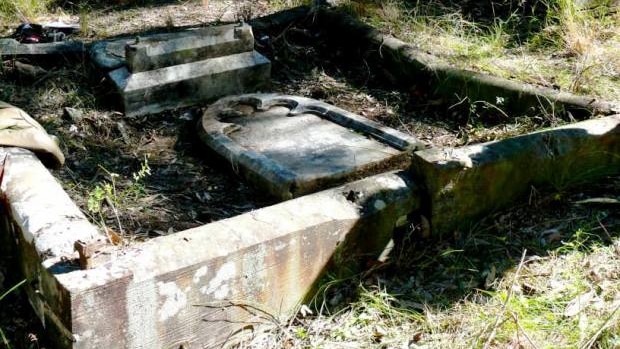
{"x":156,"y":52}
{"x":182,"y":85}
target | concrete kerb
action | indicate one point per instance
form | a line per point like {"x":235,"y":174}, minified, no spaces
{"x":463,"y":184}
{"x":410,"y":65}
{"x":195,"y":287}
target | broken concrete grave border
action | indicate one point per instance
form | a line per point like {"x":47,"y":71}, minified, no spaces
{"x":196,"y":287}
{"x":409,"y":65}
{"x":12,"y":48}
{"x":464,"y":184}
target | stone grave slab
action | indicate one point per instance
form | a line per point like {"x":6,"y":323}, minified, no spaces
{"x":291,"y":146}
{"x":158,"y":72}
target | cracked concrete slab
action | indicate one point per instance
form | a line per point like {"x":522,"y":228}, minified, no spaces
{"x":291,"y":146}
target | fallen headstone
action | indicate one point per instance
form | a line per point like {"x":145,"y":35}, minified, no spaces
{"x":291,"y":146}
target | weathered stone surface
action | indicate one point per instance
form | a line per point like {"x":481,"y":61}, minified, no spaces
{"x":42,"y":217}
{"x":464,"y":183}
{"x":291,"y":146}
{"x":149,"y":53}
{"x":12,"y":48}
{"x":198,"y":287}
{"x":40,"y":206}
{"x":191,"y":83}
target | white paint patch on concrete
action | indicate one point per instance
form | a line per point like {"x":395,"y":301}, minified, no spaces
{"x":218,"y":286}
{"x":254,"y":271}
{"x":279,"y":246}
{"x":141,"y":308}
{"x":175,"y":300}
{"x":221,"y":292}
{"x":380,"y":204}
{"x":596,"y":127}
{"x":200,"y":273}
{"x":390,"y":182}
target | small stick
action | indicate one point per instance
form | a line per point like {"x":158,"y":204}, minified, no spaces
{"x":603,"y":327}
{"x":508,"y":296}
{"x":529,"y":340}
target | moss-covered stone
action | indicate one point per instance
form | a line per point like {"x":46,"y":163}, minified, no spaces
{"x":462,"y":184}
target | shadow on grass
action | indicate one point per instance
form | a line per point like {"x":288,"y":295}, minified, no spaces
{"x":430,"y":276}
{"x":118,"y":5}
{"x":519,"y":19}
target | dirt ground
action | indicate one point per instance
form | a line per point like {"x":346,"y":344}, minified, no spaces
{"x":186,"y":185}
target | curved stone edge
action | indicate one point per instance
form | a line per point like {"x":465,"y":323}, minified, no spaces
{"x":45,"y":223}
{"x":198,"y":287}
{"x":464,"y":184}
{"x":408,"y":64}
{"x":269,"y":175}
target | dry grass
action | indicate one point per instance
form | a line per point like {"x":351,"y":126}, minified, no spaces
{"x":23,"y":10}
{"x":565,"y":46}
{"x":480,"y":290}
{"x":462,"y":292}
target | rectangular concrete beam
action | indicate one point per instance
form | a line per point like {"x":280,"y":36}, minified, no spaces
{"x":198,"y":287}
{"x":149,"y":53}
{"x":187,"y":84}
{"x":462,"y":184}
{"x":12,"y":48}
{"x":46,"y":223}
{"x":408,"y":64}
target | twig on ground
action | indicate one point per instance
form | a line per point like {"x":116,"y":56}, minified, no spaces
{"x":603,"y":327}
{"x":529,"y":340}
{"x":505,"y":305}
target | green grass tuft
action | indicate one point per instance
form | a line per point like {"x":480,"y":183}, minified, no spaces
{"x":22,"y":10}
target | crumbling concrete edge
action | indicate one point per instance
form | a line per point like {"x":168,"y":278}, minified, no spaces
{"x":13,"y":48}
{"x":194,"y":287}
{"x":45,"y":223}
{"x":463,"y":184}
{"x":410,"y":65}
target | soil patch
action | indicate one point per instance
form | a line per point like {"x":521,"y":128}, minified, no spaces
{"x":306,"y":64}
